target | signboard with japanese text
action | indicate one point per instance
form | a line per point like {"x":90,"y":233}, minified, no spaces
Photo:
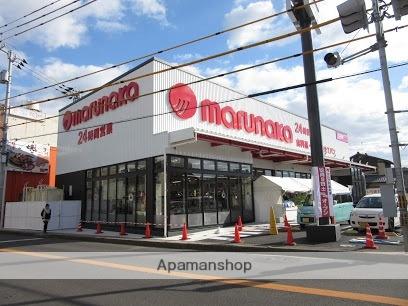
{"x":322,"y":194}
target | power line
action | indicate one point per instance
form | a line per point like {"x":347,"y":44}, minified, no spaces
{"x":227,"y":73}
{"x":207,"y":58}
{"x":268,"y":92}
{"x":169,"y":48}
{"x":39,"y":17}
{"x":29,"y":14}
{"x":49,"y":20}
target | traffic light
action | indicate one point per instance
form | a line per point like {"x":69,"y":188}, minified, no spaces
{"x":400,"y":8}
{"x":353,"y":15}
{"x":333,"y":60}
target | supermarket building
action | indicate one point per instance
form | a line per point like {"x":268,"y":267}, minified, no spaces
{"x":189,"y":152}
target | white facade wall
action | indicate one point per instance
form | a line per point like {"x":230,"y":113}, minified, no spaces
{"x":31,"y":123}
{"x":148,"y":137}
{"x":129,"y":140}
{"x":217,"y":93}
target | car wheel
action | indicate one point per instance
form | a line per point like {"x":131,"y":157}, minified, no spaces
{"x":391,"y":226}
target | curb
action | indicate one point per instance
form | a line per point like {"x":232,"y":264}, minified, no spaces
{"x":200,"y":246}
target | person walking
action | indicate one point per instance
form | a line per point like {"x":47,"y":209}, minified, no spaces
{"x":46,"y":216}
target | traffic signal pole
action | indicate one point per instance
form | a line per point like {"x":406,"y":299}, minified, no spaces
{"x":313,"y":114}
{"x":402,"y":199}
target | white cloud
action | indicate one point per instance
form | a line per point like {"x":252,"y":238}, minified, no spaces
{"x":404,"y":83}
{"x":57,"y":70}
{"x":71,"y":31}
{"x":151,"y":8}
{"x":255,"y":32}
{"x":111,"y":26}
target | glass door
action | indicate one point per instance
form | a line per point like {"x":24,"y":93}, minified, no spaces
{"x":141,"y":200}
{"x":208,"y":199}
{"x":235,"y":198}
{"x":131,"y":199}
{"x":121,"y":200}
{"x":195,"y":215}
{"x":223,"y":200}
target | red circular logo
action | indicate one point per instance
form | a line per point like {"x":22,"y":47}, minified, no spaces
{"x":67,"y":120}
{"x":183,"y":101}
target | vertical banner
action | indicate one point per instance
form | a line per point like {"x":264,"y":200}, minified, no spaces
{"x":329,"y":191}
{"x":316,"y":192}
{"x":320,"y":192}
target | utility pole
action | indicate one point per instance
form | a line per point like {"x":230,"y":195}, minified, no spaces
{"x":316,"y":148}
{"x":402,"y":199}
{"x":3,"y":162}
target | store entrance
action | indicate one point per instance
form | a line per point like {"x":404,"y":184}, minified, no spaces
{"x":205,"y":192}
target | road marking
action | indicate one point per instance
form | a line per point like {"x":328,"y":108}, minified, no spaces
{"x":348,"y":295}
{"x":18,"y":240}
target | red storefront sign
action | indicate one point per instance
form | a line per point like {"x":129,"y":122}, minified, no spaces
{"x":184,"y":103}
{"x":114,"y":100}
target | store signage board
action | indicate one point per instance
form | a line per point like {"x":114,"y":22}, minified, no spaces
{"x":28,"y":157}
{"x":248,"y":120}
{"x":322,"y":193}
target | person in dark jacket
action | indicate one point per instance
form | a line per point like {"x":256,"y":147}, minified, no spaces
{"x":46,"y":216}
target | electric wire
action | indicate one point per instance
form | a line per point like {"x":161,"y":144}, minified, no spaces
{"x":29,"y":14}
{"x":268,"y":92}
{"x":39,"y":17}
{"x":230,"y":72}
{"x":203,"y":59}
{"x":47,"y":21}
{"x":183,"y":44}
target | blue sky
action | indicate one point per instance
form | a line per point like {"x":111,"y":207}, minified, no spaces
{"x":110,"y":31}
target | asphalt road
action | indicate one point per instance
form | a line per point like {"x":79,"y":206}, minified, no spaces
{"x":180,"y":291}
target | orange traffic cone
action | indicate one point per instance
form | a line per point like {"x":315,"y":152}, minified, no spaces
{"x":79,"y":227}
{"x":237,"y":237}
{"x":98,"y":228}
{"x":148,"y":234}
{"x":239,"y":222}
{"x":290,"y":240}
{"x":184,"y":234}
{"x":122,"y":229}
{"x":369,"y":239}
{"x":285,"y":223}
{"x":381,"y":231}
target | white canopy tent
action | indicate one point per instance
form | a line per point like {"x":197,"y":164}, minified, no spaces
{"x":268,"y":191}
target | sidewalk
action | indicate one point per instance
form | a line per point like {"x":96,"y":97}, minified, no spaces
{"x":254,"y":238}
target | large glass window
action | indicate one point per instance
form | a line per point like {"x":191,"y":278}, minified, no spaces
{"x":176,"y":194}
{"x":246,"y":168}
{"x":235,"y":193}
{"x":209,"y":165}
{"x":131,"y":167}
{"x":193,"y":193}
{"x":88,"y":204}
{"x":96,"y":197}
{"x":121,"y":200}
{"x":222,"y":193}
{"x":141,"y":199}
{"x":177,"y":161}
{"x":247,"y":199}
{"x":159,"y":189}
{"x":104,"y":200}
{"x":193,"y":163}
{"x":131,"y":199}
{"x":112,"y":200}
{"x":209,"y":202}
{"x":234,"y":167}
{"x":278,"y":173}
{"x":222,"y":166}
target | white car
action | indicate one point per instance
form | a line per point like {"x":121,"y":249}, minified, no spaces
{"x":369,"y":209}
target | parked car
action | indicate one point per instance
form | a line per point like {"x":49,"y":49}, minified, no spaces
{"x":368,"y":210}
{"x":342,"y":204}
